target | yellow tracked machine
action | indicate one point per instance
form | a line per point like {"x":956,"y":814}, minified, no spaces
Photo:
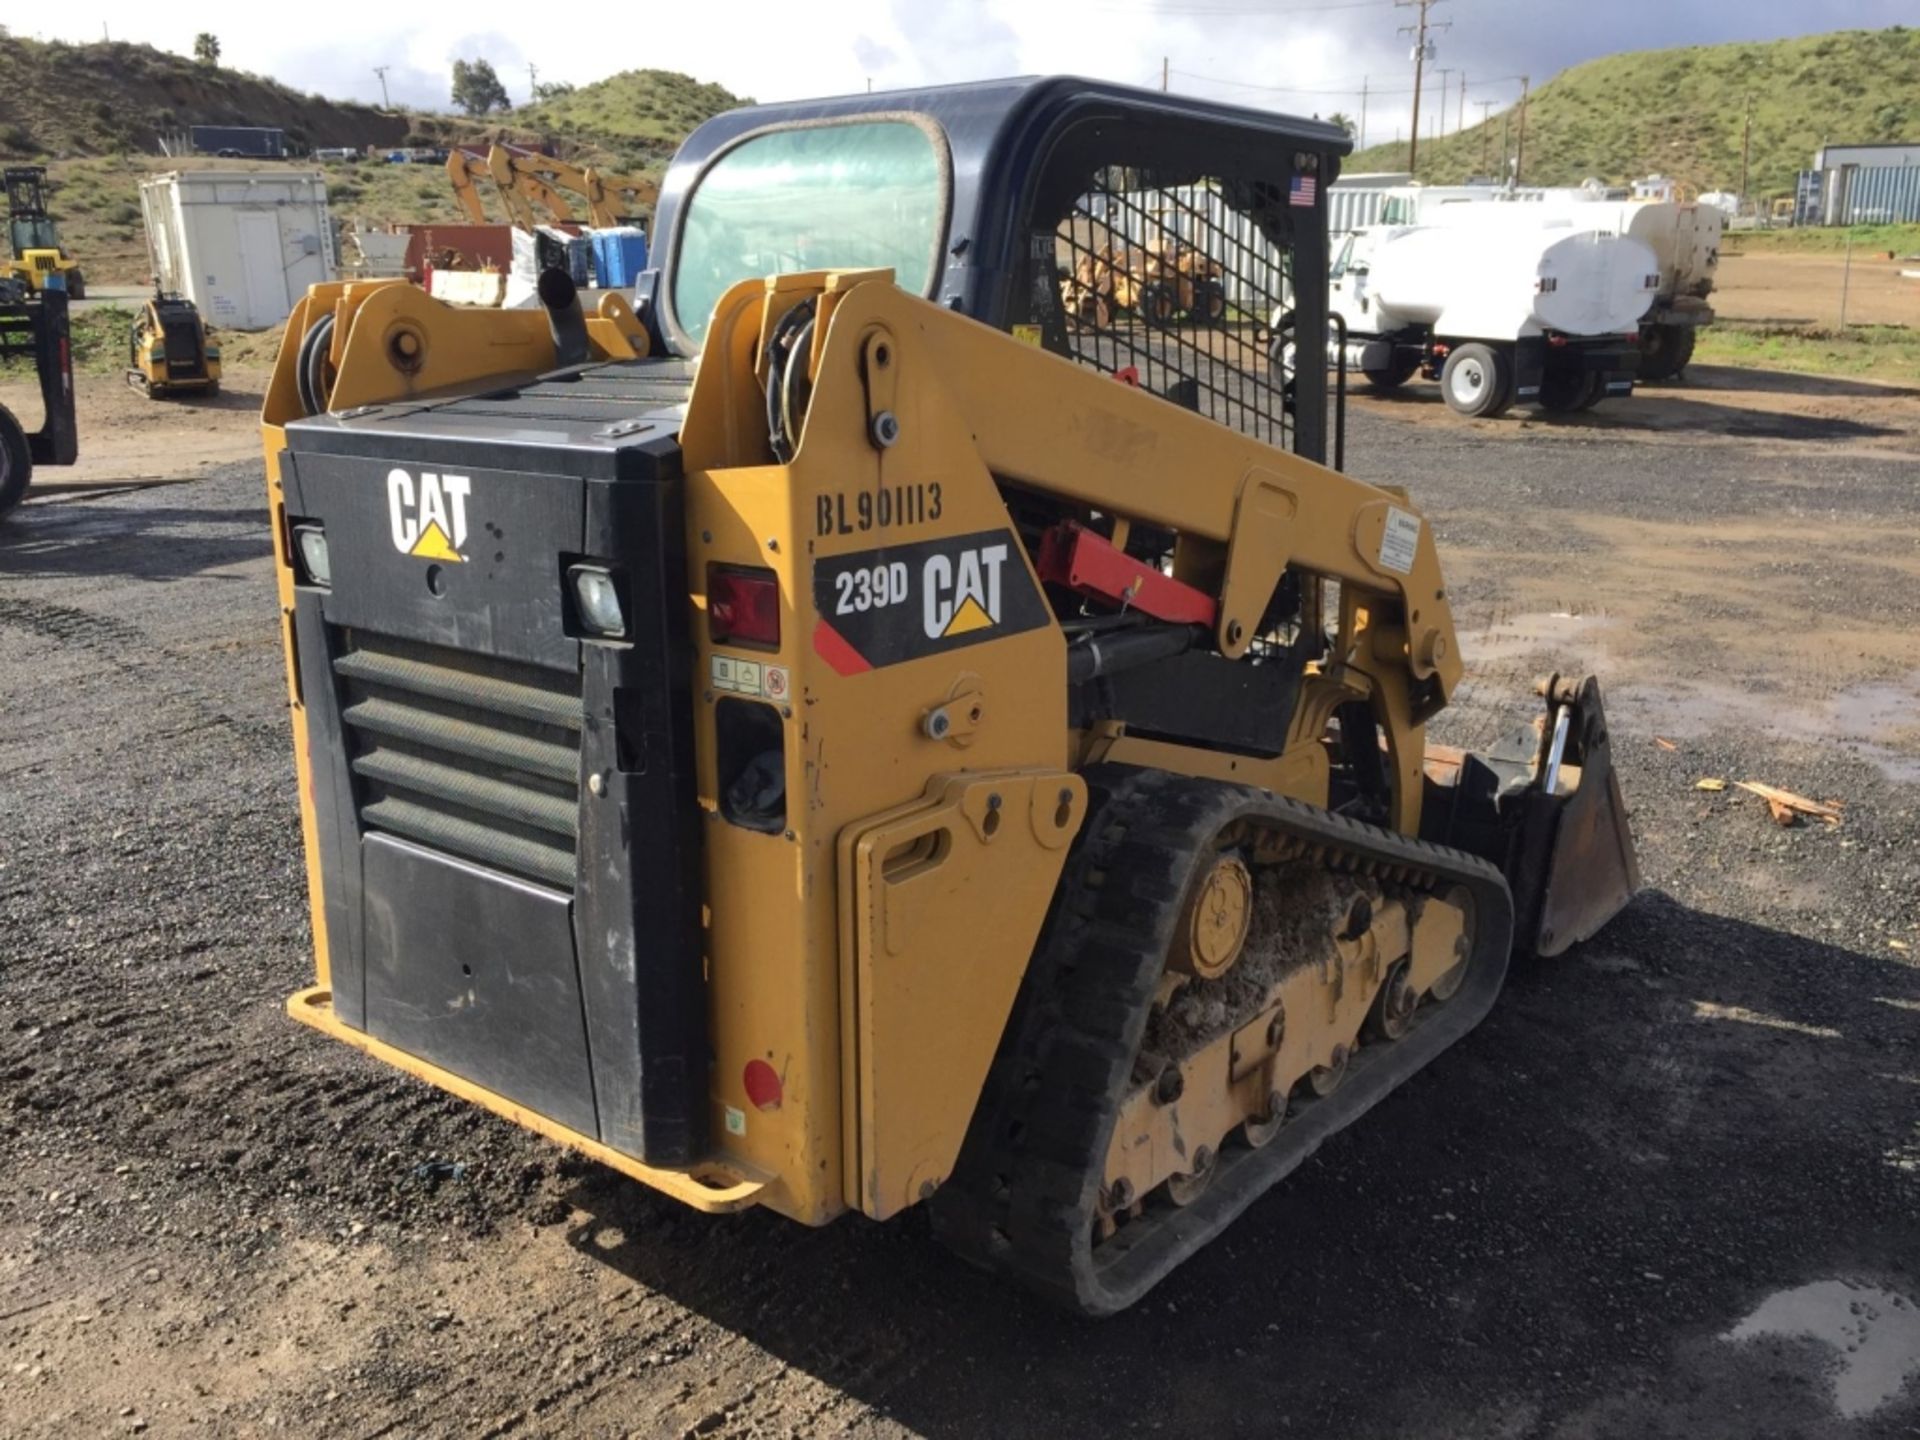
{"x":810,"y":738}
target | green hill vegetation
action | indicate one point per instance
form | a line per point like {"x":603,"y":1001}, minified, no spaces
{"x":1680,"y":113}
{"x":61,"y":100}
{"x":648,"y":111}
{"x":94,"y":114}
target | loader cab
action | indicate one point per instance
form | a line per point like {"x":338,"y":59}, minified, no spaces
{"x":1148,"y":235}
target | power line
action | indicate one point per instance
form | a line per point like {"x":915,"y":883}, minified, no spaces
{"x":1251,"y":12}
{"x":1363,"y":88}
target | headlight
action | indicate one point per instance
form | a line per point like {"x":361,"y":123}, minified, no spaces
{"x":597,"y":599}
{"x":312,"y":541}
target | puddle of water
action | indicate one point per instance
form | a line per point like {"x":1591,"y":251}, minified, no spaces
{"x":1521,"y":634}
{"x":1875,"y":1336}
{"x":1878,"y":720}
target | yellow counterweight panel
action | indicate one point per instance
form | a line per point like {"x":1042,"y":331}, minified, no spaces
{"x":858,"y":742}
{"x":940,"y":902}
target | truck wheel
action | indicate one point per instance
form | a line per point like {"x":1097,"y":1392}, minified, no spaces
{"x":1564,"y":391}
{"x":1477,"y":381}
{"x":1391,"y":379}
{"x":76,"y":285}
{"x":16,"y":462}
{"x":1684,"y":340}
{"x":1660,"y":351}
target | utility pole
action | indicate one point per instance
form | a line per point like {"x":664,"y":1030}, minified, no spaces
{"x":1486,"y":135}
{"x":1746,"y":142}
{"x":381,"y":71}
{"x":1420,"y":51}
{"x":533,"y":82}
{"x":1520,"y":146}
{"x":1446,"y":94}
{"x":1363,"y":112}
{"x":1164,"y":62}
{"x":1460,"y":117}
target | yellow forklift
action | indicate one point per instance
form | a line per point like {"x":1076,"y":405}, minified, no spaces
{"x":933,"y":750}
{"x":34,"y":326}
{"x":39,"y":262}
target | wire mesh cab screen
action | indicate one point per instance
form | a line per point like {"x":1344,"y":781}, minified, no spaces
{"x":1174,"y":289}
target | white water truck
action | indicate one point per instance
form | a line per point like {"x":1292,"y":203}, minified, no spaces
{"x":1545,"y":314}
{"x":1683,"y":234}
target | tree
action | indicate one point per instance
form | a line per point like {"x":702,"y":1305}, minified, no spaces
{"x":206,"y":48}
{"x":551,"y":90}
{"x":1345,"y":122}
{"x":476,"y":89}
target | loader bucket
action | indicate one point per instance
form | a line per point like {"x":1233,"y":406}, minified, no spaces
{"x":1545,"y":805}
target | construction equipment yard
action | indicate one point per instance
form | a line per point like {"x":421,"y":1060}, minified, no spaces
{"x":1631,"y":1202}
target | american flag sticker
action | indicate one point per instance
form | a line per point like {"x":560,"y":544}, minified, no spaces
{"x":1303,"y":190}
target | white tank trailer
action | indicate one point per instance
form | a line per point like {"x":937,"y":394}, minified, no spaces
{"x":1545,"y":314}
{"x":1684,"y":236}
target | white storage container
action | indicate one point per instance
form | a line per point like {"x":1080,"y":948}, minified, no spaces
{"x":243,"y":245}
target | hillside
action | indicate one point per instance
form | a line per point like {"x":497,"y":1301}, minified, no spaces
{"x":637,"y":112}
{"x":632,"y":121}
{"x":60,"y":100}
{"x":1679,"y":112}
{"x":100,"y":135}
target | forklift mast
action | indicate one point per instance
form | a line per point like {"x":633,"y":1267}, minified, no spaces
{"x":29,"y":226}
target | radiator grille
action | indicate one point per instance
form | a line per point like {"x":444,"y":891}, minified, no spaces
{"x":467,"y":754}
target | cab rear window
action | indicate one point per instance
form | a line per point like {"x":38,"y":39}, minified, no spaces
{"x":862,"y":195}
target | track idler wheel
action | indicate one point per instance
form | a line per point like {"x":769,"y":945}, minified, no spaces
{"x":1259,"y":1132}
{"x":1323,"y":1080}
{"x":1217,"y":917}
{"x":1393,"y":1007}
{"x":1186,"y":1188}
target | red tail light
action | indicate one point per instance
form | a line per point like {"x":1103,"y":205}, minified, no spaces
{"x":743,"y":606}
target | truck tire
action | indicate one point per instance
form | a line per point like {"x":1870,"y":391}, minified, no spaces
{"x":1393,"y":378}
{"x":76,"y":285}
{"x":1564,"y":391}
{"x":1477,"y":381}
{"x":16,"y":462}
{"x":1664,"y":350}
{"x":1687,"y":338}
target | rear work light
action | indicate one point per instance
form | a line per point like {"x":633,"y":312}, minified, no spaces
{"x":743,"y":606}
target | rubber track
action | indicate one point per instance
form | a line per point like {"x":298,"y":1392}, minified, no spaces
{"x":1023,"y":1195}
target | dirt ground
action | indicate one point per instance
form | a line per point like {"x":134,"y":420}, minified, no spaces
{"x":1671,"y":1187}
{"x":1788,"y":290}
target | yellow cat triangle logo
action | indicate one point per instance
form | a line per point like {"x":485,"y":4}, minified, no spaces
{"x":970,"y":616}
{"x":434,"y":545}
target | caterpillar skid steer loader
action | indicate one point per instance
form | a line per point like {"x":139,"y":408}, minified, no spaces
{"x":810,"y":738}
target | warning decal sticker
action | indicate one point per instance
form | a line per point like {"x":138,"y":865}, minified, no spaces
{"x":900,"y":602}
{"x":1399,"y":541}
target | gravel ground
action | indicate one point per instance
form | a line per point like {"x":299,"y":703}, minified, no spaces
{"x":218,"y":1223}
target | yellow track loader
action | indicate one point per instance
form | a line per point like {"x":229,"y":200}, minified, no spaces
{"x":888,"y":762}
{"x":169,"y":352}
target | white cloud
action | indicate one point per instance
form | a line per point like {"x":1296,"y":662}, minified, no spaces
{"x":1224,"y":49}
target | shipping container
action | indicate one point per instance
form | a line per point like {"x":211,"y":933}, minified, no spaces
{"x":242,"y":245}
{"x":249,"y":142}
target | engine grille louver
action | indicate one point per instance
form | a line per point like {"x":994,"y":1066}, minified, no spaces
{"x":464,"y":753}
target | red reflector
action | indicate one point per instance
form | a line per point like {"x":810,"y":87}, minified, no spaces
{"x":743,"y":605}
{"x":763,"y":1085}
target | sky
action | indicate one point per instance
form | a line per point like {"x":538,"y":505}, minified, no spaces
{"x":1303,"y":56}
